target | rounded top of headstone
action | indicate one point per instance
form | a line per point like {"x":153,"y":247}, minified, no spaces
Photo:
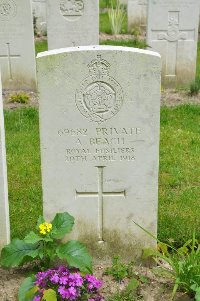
{"x":95,"y":48}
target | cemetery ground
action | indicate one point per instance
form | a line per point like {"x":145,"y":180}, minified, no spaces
{"x":179,"y":181}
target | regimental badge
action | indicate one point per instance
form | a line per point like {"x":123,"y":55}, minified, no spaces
{"x":8,"y":9}
{"x":100,"y":96}
{"x":71,"y":8}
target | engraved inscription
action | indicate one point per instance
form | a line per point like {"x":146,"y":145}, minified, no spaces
{"x":72,"y":8}
{"x":100,"y":96}
{"x":102,"y":145}
{"x":100,"y":194}
{"x":8,"y":9}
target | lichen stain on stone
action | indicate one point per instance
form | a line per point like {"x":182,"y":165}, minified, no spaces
{"x":127,"y":246}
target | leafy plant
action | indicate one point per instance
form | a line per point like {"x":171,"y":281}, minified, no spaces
{"x":119,"y":270}
{"x":45,"y":245}
{"x":183,"y":264}
{"x":116,"y":16}
{"x":195,"y":87}
{"x":60,"y":283}
{"x":128,"y":294}
{"x":19,"y":98}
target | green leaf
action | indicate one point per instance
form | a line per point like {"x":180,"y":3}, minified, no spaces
{"x":40,"y":221}
{"x":149,"y":253}
{"x":33,"y":238}
{"x":26,"y":287}
{"x":62,"y":224}
{"x":49,"y":295}
{"x":197,"y":296}
{"x":175,"y":288}
{"x":76,"y":255}
{"x":30,"y":294}
{"x":13,"y":254}
{"x":133,"y":284}
{"x":196,"y":289}
{"x":143,"y":279}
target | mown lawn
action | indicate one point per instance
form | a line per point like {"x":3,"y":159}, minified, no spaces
{"x":179,"y":180}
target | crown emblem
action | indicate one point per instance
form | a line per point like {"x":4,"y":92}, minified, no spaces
{"x":100,"y":96}
{"x":99,"y":67}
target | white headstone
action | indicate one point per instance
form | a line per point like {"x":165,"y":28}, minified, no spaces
{"x":99,"y":126}
{"x":17,"y":53}
{"x":72,"y":23}
{"x":39,"y":13}
{"x":124,"y":2}
{"x":4,"y":210}
{"x":137,"y":14}
{"x":173,"y":32}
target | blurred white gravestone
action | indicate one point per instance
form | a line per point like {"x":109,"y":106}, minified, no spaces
{"x":17,"y":52}
{"x":39,"y":14}
{"x":173,"y":32}
{"x":100,"y":153}
{"x":137,"y":14}
{"x":72,"y":23}
{"x":4,"y":210}
{"x":124,"y":2}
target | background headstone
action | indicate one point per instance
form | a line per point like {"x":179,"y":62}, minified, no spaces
{"x":100,"y":153}
{"x":137,"y":14}
{"x":4,"y":210}
{"x":124,"y":2}
{"x":17,"y":52}
{"x":39,"y":14}
{"x":72,"y":23}
{"x":173,"y":32}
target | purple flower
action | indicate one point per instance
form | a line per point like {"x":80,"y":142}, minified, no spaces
{"x":37,"y":298}
{"x":93,"y":282}
{"x":68,"y":284}
{"x":68,"y":293}
{"x":55,"y":278}
{"x":75,"y":280}
{"x":63,"y":280}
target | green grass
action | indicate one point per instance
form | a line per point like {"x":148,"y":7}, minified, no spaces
{"x":107,"y":3}
{"x":105,"y":24}
{"x":179,"y":179}
{"x":41,"y":46}
{"x":130,"y":43}
{"x":23,"y":160}
{"x":179,"y":188}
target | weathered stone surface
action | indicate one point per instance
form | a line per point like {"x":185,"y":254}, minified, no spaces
{"x":72,"y":23}
{"x":99,"y":126}
{"x":137,"y":14}
{"x":17,"y":52}
{"x":4,"y":210}
{"x":173,"y":32}
{"x":39,"y":14}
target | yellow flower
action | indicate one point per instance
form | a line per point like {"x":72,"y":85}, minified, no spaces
{"x":45,"y":228}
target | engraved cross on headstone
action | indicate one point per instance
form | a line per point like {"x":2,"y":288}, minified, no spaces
{"x":100,"y":194}
{"x":9,"y":56}
{"x":172,"y":36}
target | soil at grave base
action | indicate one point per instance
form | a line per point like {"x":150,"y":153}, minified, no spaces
{"x":169,"y":98}
{"x":157,"y":288}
